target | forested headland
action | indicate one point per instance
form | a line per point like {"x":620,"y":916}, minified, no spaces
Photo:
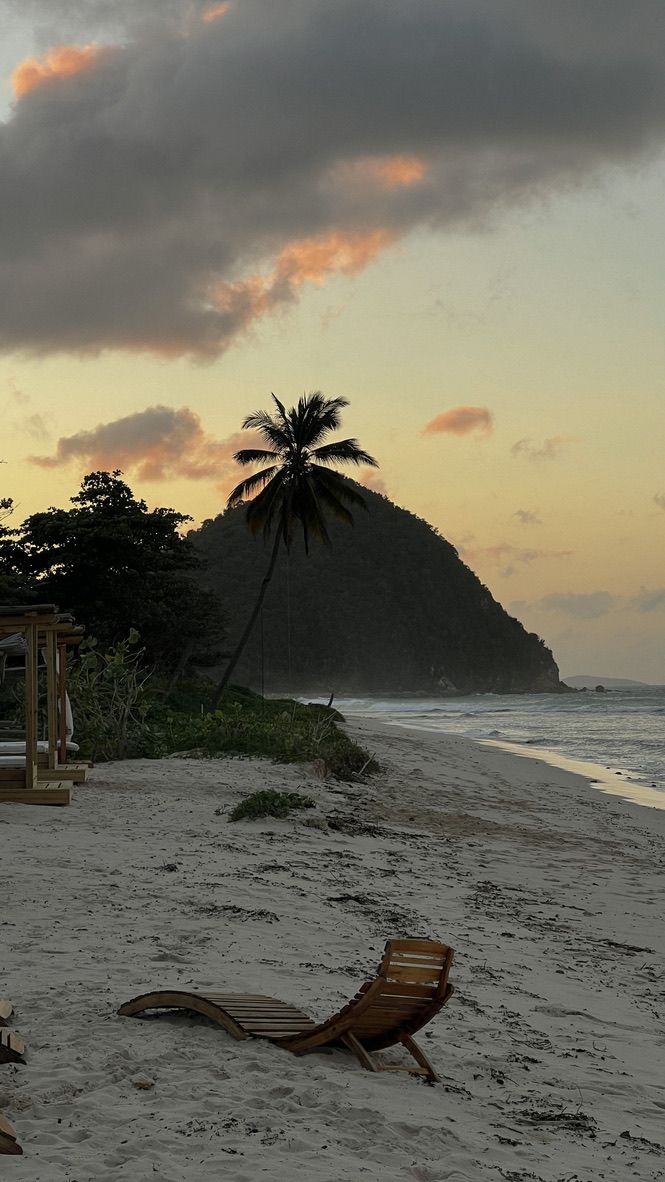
{"x":389,"y":607}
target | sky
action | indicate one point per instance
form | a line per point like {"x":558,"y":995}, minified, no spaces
{"x":448,"y":212}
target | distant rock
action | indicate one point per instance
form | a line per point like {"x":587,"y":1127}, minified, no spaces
{"x":586,"y":681}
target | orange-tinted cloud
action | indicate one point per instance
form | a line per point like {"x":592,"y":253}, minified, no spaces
{"x":304,"y":260}
{"x":210,"y":15}
{"x":396,"y":171}
{"x":460,"y":420}
{"x":388,"y":172}
{"x":156,"y":444}
{"x":369,"y":478}
{"x":63,"y":61}
{"x":312,"y":259}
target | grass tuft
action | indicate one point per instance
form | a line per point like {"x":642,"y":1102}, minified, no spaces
{"x":269,"y":803}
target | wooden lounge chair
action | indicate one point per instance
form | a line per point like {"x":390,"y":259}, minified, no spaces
{"x":12,"y":1048}
{"x":8,"y":1142}
{"x":410,"y":987}
{"x":6,"y":1010}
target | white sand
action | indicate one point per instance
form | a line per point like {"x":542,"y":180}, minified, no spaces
{"x":552,"y":1049}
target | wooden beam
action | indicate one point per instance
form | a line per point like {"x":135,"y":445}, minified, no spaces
{"x":31,"y":690}
{"x":52,"y":698}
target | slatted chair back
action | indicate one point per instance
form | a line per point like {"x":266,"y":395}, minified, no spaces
{"x":413,"y":986}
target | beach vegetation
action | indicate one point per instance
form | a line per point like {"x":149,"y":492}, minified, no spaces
{"x":295,"y":487}
{"x":269,"y":803}
{"x":121,"y":711}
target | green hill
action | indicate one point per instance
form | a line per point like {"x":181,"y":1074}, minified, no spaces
{"x":391,"y":608}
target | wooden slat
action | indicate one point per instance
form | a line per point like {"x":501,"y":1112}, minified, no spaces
{"x":424,"y":959}
{"x":417,"y":945}
{"x":6,"y":1010}
{"x":49,"y":794}
{"x":412,"y":975}
{"x":404,"y":989}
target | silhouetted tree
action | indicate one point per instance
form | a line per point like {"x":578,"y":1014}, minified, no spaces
{"x":118,"y":565}
{"x":297,"y":488}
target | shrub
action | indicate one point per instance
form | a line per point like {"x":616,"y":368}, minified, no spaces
{"x":269,"y":803}
{"x":111,"y":699}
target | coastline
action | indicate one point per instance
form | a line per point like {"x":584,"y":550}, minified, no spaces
{"x":550,"y":1049}
{"x":615,"y":783}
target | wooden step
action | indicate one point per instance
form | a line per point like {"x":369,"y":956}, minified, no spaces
{"x":12,"y":1048}
{"x":77,"y":773}
{"x":47,"y":793}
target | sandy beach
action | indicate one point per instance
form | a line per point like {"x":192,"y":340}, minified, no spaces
{"x":551,"y":1050}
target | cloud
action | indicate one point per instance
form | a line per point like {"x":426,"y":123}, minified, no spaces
{"x":506,"y":557}
{"x":660,"y":500}
{"x":550,"y":449}
{"x":581,"y":606}
{"x":591,"y":605}
{"x":527,"y":517}
{"x":649,"y":601}
{"x":369,"y":478}
{"x":159,"y":180}
{"x":215,"y":13}
{"x":64,"y":61}
{"x":460,"y":420}
{"x":156,"y":444}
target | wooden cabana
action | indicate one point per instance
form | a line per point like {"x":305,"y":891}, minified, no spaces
{"x":31,"y":771}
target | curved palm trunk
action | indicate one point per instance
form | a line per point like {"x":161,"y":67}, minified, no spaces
{"x":250,"y":623}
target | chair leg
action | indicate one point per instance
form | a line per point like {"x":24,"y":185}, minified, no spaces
{"x":363,"y":1056}
{"x":420,"y":1057}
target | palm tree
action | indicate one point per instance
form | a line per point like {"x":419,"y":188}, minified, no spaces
{"x":297,"y":488}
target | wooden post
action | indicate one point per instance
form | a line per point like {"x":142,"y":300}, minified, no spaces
{"x":52,"y":697}
{"x":31,"y":704}
{"x":62,"y":700}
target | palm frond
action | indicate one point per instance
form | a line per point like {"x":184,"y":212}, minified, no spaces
{"x":319,"y":416}
{"x":249,"y":486}
{"x":344,"y":451}
{"x":306,"y":508}
{"x":327,"y":498}
{"x":338,"y":486}
{"x":266,"y":425}
{"x":253,"y":455}
{"x":261,"y":511}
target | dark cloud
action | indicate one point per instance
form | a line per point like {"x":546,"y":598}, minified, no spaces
{"x":157,"y":444}
{"x":527,"y":517}
{"x":581,"y":606}
{"x":506,"y":557}
{"x":591,"y":605}
{"x":549,"y":449}
{"x":649,"y":601}
{"x":191,"y":179}
{"x":659,"y":498}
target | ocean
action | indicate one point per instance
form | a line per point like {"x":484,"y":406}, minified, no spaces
{"x":622,"y":730}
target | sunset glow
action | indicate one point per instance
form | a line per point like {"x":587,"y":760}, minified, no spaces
{"x":64,"y":61}
{"x":210,"y":15}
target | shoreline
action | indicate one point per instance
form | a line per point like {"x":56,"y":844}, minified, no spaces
{"x":604,"y":779}
{"x":550,"y":1049}
{"x":627,"y":783}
